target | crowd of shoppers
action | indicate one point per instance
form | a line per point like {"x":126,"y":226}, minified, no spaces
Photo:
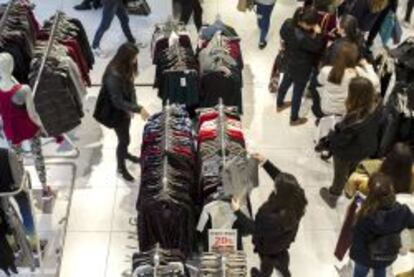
{"x":327,"y":52}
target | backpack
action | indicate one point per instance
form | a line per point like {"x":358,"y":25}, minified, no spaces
{"x":385,"y":248}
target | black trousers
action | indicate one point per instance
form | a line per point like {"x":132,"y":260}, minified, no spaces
{"x":410,"y":6}
{"x":279,"y":262}
{"x":342,"y":170}
{"x":192,"y":7}
{"x":122,"y":133}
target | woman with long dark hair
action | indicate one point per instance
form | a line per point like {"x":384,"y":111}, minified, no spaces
{"x":348,"y":30}
{"x":334,"y":80}
{"x":277,"y":221}
{"x":355,"y":138}
{"x":117,"y":103}
{"x":376,"y":237}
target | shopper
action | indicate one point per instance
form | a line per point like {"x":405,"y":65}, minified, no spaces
{"x":264,"y":9}
{"x":398,"y":165}
{"x":110,"y":9}
{"x":334,"y":80}
{"x":349,"y":31}
{"x":367,"y":12}
{"x":355,"y":138}
{"x":304,"y":44}
{"x":88,"y":4}
{"x":277,"y":221}
{"x":392,"y":6}
{"x":116,"y":104}
{"x":376,"y":237}
{"x":410,"y":6}
{"x":192,"y":7}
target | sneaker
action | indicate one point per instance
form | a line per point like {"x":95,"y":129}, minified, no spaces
{"x":98,"y":52}
{"x":141,"y":45}
{"x":328,"y":197}
{"x":126,"y":175}
{"x":262,"y":45}
{"x":298,"y":122}
{"x":84,"y":6}
{"x":134,"y":159}
{"x":284,"y":106}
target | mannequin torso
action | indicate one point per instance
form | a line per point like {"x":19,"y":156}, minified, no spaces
{"x":7,"y":83}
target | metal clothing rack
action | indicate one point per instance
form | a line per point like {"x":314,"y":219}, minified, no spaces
{"x":52,"y":36}
{"x":6,"y":13}
{"x":167,"y":110}
{"x":24,"y":186}
{"x":222,"y":129}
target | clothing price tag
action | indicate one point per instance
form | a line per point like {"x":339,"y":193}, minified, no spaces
{"x":183,"y":82}
{"x":222,"y":241}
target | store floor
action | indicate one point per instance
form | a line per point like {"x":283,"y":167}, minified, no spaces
{"x":101,"y":239}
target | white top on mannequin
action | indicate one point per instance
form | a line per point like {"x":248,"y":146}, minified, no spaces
{"x":24,"y":95}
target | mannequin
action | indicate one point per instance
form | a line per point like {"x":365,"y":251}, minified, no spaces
{"x":21,"y":122}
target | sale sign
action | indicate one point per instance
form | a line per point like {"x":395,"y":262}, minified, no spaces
{"x":222,"y":241}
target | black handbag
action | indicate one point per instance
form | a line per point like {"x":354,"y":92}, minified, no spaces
{"x":385,"y":248}
{"x":104,"y":110}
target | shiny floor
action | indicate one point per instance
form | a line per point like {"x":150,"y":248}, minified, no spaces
{"x":101,"y":238}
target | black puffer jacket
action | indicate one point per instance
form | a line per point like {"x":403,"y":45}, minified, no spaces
{"x":383,"y":222}
{"x":271,"y":234}
{"x":303,"y":50}
{"x":355,"y":140}
{"x":115,"y":101}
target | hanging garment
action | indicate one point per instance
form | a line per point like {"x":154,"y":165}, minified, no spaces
{"x":18,"y":127}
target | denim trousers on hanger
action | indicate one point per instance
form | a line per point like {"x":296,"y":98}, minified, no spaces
{"x":264,"y":13}
{"x":25,"y":210}
{"x":110,"y":9}
{"x":362,"y":271}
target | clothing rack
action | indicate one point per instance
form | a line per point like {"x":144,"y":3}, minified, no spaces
{"x":222,"y":127}
{"x":47,"y":51}
{"x":53,"y":32}
{"x":6,"y":14}
{"x":167,"y":110}
{"x":25,"y":185}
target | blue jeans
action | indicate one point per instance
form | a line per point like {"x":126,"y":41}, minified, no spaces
{"x":110,"y":9}
{"x":264,"y":13}
{"x":298,"y":89}
{"x":362,"y":271}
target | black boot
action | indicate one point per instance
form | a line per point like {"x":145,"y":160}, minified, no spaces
{"x":134,"y":159}
{"x":328,"y":197}
{"x":96,"y":4}
{"x":85,"y":5}
{"x":125,"y":174}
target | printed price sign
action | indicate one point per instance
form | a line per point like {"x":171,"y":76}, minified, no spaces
{"x":222,"y":241}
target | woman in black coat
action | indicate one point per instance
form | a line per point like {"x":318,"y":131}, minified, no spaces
{"x":355,"y":138}
{"x":276,"y":223}
{"x":303,"y":41}
{"x":117,"y":103}
{"x":376,"y":237}
{"x":367,"y":12}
